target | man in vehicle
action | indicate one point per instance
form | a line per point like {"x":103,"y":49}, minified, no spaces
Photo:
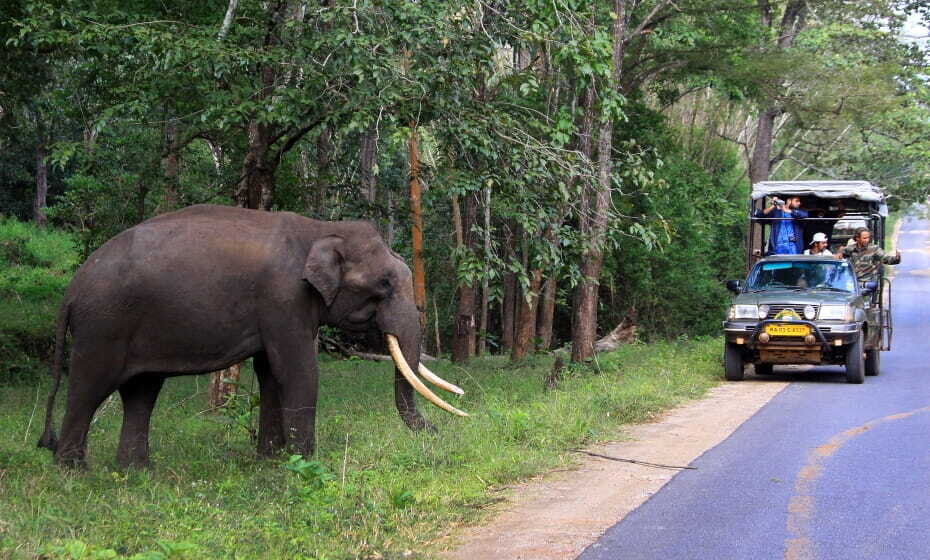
{"x":865,"y":257}
{"x":787,"y":237}
{"x":819,"y":246}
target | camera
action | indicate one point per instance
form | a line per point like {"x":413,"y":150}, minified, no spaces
{"x":778,"y":202}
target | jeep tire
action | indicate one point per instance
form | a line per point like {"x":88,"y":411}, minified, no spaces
{"x":732,"y":362}
{"x":855,"y":363}
{"x":873,"y":361}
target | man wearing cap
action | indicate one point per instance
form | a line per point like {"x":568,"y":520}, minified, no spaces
{"x":867,"y":258}
{"x":819,"y":246}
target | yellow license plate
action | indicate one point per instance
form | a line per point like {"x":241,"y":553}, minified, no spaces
{"x":780,"y":329}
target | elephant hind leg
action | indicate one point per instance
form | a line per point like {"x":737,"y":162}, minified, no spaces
{"x":85,"y":394}
{"x":139,"y":395}
{"x":270,"y":421}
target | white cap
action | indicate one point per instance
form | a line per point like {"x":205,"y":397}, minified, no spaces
{"x":819,"y":237}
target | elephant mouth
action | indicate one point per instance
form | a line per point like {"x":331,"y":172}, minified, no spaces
{"x":407,"y":372}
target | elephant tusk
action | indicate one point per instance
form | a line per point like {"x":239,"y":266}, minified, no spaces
{"x":411,"y":378}
{"x":440,"y":382}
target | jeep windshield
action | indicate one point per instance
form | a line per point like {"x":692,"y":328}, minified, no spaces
{"x":802,"y":275}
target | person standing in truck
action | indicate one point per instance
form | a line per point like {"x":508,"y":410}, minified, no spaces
{"x":787,"y":236}
{"x":866,"y":257}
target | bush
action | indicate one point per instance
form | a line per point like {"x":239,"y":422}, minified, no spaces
{"x":35,"y":268}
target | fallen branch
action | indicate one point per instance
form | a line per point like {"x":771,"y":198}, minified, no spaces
{"x":624,"y":333}
{"x":634,"y":461}
{"x":344,"y":350}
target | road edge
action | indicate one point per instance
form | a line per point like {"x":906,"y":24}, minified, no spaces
{"x":558,"y":516}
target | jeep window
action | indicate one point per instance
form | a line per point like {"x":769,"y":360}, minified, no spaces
{"x":802,"y":275}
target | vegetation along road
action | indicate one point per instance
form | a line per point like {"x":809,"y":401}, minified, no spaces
{"x":825,"y":470}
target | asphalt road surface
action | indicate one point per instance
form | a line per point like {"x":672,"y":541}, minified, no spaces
{"x":825,"y":470}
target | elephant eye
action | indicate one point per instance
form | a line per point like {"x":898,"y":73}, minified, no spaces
{"x":385,"y":284}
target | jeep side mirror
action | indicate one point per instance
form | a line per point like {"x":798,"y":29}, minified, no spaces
{"x":735,"y":286}
{"x":869,"y":287}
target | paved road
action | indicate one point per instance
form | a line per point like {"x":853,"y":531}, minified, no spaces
{"x":825,"y":470}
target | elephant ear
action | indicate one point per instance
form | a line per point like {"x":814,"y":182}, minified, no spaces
{"x":323,"y":267}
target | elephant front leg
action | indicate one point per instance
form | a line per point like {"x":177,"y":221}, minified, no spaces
{"x":296,"y":375}
{"x":270,"y":421}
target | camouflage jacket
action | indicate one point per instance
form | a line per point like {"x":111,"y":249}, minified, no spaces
{"x":867,"y":261}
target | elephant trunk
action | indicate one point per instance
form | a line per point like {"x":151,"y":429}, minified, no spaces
{"x":399,"y":321}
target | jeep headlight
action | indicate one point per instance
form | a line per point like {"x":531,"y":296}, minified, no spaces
{"x":835,"y":313}
{"x":809,"y":312}
{"x":744,"y":312}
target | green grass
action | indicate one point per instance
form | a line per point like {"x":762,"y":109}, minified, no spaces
{"x":373,"y":489}
{"x":35,"y":268}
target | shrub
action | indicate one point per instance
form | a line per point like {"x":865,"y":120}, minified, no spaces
{"x":35,"y":268}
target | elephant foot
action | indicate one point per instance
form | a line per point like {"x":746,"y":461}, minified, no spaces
{"x":49,"y":441}
{"x":135,"y":462}
{"x":416,"y":422}
{"x":71,"y":462}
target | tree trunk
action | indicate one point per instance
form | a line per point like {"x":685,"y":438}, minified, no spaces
{"x":546,"y":312}
{"x":368,"y":156}
{"x":526,"y":321}
{"x":416,"y":223}
{"x":463,"y":343}
{"x":483,"y":325}
{"x":222,"y":387}
{"x":256,"y":187}
{"x":761,"y":163}
{"x":584,"y":313}
{"x":509,"y":300}
{"x":40,"y":202}
{"x":171,"y":167}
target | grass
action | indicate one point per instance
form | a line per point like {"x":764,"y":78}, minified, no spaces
{"x":35,"y":267}
{"x":373,"y":489}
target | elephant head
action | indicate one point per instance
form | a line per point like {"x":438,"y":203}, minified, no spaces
{"x":365,"y":285}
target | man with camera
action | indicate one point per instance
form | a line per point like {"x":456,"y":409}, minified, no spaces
{"x":787,"y":236}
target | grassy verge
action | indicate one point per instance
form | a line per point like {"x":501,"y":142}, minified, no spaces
{"x":373,"y":489}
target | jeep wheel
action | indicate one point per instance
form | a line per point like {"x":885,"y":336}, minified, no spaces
{"x":764,"y":369}
{"x":873,"y":361}
{"x":855,"y":364}
{"x":732,"y":362}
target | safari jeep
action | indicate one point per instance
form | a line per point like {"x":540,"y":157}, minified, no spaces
{"x":797,"y":309}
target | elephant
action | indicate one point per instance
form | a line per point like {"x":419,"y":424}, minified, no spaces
{"x":203,"y":288}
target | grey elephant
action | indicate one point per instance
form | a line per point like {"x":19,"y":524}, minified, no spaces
{"x":206,"y":287}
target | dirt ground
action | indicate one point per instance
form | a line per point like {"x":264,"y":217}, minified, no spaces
{"x":559,"y":515}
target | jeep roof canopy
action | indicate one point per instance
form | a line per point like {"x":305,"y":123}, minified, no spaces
{"x":859,"y":190}
{"x":836,"y":208}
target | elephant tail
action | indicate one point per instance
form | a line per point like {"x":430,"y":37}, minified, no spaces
{"x":49,"y":440}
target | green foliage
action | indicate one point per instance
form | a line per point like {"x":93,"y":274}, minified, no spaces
{"x":35,"y":268}
{"x":373,"y":488}
{"x":675,"y":285}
